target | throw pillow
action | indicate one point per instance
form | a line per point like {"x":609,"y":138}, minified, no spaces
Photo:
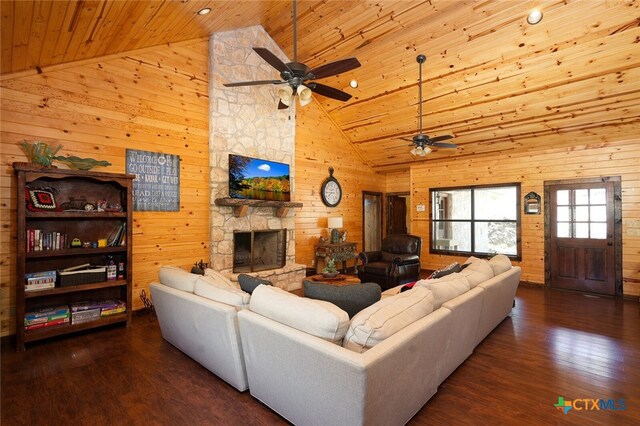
{"x":316,"y":317}
{"x":213,"y":290}
{"x":40,"y":200}
{"x":351,"y":298}
{"x":221,"y":279}
{"x":177,"y":278}
{"x":500,"y":263}
{"x":249,"y":283}
{"x":386,"y":317}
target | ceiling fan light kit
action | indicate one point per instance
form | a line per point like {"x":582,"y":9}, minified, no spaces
{"x":296,"y":76}
{"x":422,"y":143}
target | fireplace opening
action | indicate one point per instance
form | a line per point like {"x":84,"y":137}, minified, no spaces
{"x":259,"y":250}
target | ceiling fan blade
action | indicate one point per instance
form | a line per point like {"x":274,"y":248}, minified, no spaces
{"x":252,"y":83}
{"x":444,"y":145}
{"x":441,"y":138}
{"x":282,"y":105}
{"x":333,"y":68}
{"x":271,"y":59}
{"x":329,"y":92}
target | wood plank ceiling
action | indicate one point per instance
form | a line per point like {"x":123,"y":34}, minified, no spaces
{"x":493,"y":81}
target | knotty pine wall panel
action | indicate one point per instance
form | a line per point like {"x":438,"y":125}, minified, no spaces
{"x":319,"y":145}
{"x":154,"y":100}
{"x":532,"y":169}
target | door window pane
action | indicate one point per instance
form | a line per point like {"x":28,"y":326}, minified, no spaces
{"x":582,"y":196}
{"x":598,"y":213}
{"x":598,"y":195}
{"x":581,"y":213}
{"x":599,"y":231}
{"x":563,"y":230}
{"x":563,"y":214}
{"x":562,"y":197}
{"x":581,"y":230}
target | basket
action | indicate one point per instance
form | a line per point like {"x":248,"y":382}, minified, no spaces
{"x":93,"y":274}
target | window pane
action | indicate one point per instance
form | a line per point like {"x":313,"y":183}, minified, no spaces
{"x":563,"y":230}
{"x":461,"y":236}
{"x":598,"y":196}
{"x":563,"y":214}
{"x":581,"y":214}
{"x":452,"y":204}
{"x":581,"y":230}
{"x":496,"y":237}
{"x":562,"y":198}
{"x":582,"y":196}
{"x":599,"y":230}
{"x":495,"y":203}
{"x":598,"y":213}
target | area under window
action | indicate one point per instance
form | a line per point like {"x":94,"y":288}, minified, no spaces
{"x":476,"y":220}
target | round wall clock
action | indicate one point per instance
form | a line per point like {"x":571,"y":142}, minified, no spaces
{"x":331,"y":190}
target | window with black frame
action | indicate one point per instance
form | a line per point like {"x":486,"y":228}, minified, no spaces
{"x":476,"y":220}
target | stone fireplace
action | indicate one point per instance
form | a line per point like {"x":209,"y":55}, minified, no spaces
{"x":246,"y":121}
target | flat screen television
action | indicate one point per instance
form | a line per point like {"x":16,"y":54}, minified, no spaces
{"x":256,"y":179}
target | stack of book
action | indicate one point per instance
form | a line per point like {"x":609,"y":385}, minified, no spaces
{"x":92,"y":310}
{"x":39,"y":280}
{"x":38,"y":240}
{"x":46,"y":317}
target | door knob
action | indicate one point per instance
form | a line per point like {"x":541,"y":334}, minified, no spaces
{"x":609,"y":244}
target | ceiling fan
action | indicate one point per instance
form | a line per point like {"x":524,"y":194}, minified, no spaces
{"x":296,"y":76}
{"x":422,"y":143}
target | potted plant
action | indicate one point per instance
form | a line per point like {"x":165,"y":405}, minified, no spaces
{"x":330,"y":270}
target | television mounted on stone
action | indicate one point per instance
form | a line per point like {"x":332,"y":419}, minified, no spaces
{"x":257,"y":179}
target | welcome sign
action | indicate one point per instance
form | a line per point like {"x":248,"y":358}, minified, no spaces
{"x":157,"y":183}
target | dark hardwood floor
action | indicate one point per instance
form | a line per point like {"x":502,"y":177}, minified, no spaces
{"x":555,"y":344}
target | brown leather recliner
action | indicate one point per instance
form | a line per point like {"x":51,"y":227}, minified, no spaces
{"x":398,"y":262}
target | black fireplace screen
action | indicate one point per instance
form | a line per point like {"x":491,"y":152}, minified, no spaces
{"x":259,"y":250}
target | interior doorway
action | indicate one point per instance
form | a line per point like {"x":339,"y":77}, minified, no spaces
{"x":583,"y":238}
{"x":397,"y":213}
{"x":371,"y":221}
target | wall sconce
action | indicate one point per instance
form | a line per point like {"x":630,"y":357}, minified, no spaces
{"x":335,"y":223}
{"x":532,"y":203}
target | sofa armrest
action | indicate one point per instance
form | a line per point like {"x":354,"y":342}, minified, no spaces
{"x":370,"y":256}
{"x":406,"y":259}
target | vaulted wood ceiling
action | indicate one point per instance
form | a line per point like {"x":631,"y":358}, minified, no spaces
{"x":495,"y":82}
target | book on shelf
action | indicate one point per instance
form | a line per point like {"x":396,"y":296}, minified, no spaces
{"x":39,"y":240}
{"x":117,"y":309}
{"x":48,"y":318}
{"x":93,"y":304}
{"x":47,"y":324}
{"x":47,"y":311}
{"x":39,"y":280}
{"x":79,"y":317}
{"x":118,"y":236}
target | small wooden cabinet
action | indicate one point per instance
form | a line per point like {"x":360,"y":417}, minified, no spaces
{"x":341,"y":252}
{"x":76,"y":190}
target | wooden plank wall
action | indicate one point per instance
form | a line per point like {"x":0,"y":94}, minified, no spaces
{"x":532,"y":170}
{"x":319,"y":145}
{"x":154,"y":99}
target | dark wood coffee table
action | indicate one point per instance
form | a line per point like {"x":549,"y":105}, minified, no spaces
{"x":339,"y":280}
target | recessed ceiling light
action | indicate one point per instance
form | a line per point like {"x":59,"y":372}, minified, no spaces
{"x":204,"y":11}
{"x":353,"y":83}
{"x":534,"y":16}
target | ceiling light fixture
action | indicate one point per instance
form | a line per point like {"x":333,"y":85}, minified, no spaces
{"x":534,"y":16}
{"x":204,"y":11}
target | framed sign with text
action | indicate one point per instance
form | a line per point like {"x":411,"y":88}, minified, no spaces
{"x":157,"y":184}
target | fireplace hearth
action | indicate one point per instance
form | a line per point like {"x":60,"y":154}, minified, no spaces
{"x":259,"y":250}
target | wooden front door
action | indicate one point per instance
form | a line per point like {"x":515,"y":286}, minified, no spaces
{"x":371,"y":221}
{"x":397,"y":214}
{"x":582,"y":236}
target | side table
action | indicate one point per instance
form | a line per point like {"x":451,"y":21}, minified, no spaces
{"x":339,"y":252}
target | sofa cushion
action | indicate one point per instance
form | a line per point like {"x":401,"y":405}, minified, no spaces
{"x":221,"y":279}
{"x":445,"y":289}
{"x":249,"y":283}
{"x":500,"y":263}
{"x":177,"y":278}
{"x":477,"y":272}
{"x":316,"y":317}
{"x":386,"y":317}
{"x":351,"y":298}
{"x":212,"y":289}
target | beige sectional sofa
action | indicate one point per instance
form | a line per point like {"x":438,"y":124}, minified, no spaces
{"x":393,"y":356}
{"x":306,"y":360}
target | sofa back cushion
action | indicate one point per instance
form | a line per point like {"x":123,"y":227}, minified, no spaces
{"x":212,"y":289}
{"x":477,"y":272}
{"x":500,"y":263}
{"x":383,"y":319}
{"x":316,"y":317}
{"x":177,"y":278}
{"x":445,"y":288}
{"x":220,"y":279}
